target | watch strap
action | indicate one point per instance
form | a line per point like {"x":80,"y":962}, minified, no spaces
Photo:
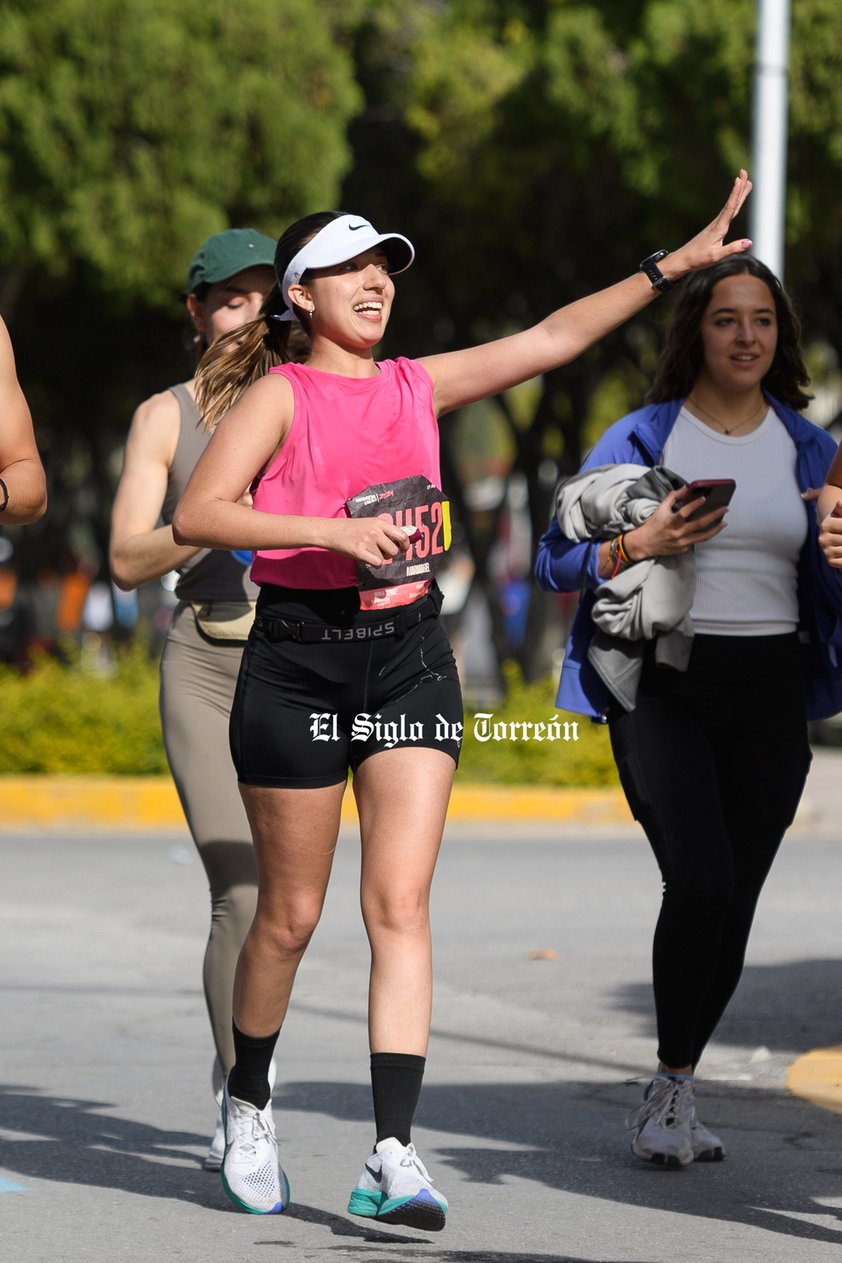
{"x":650,"y":267}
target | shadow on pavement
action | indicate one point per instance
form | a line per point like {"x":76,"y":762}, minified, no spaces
{"x":772,"y":1005}
{"x":566,"y":1136}
{"x":570,"y":1137}
{"x":408,"y":1247}
{"x":70,"y":1141}
{"x":783,"y":1174}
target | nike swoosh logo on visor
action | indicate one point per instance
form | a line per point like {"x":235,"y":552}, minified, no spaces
{"x":356,"y":227}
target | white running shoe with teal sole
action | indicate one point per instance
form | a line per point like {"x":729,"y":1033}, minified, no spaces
{"x":395,"y":1188}
{"x":252,"y":1174}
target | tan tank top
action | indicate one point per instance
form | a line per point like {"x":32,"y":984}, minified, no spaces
{"x":212,"y":574}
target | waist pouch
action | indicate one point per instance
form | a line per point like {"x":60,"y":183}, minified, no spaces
{"x":224,"y":620}
{"x":275,"y":628}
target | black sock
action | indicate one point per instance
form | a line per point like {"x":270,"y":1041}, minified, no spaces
{"x":395,"y":1086}
{"x":249,"y":1077}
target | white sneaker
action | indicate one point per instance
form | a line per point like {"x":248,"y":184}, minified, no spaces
{"x":252,"y":1175}
{"x":395,"y":1188}
{"x":662,"y":1124}
{"x":707,"y":1147}
{"x":216,"y":1152}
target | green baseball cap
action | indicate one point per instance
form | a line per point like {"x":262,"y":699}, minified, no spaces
{"x":227,"y":253}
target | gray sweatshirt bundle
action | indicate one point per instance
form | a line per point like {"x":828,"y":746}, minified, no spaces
{"x":650,"y":600}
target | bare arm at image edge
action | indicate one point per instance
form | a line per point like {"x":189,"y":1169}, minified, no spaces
{"x":20,"y":464}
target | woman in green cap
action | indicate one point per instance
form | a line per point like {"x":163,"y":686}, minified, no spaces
{"x":229,"y":276}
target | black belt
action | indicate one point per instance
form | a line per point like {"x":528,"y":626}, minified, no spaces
{"x":275,"y":628}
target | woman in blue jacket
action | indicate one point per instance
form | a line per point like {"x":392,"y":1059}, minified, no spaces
{"x":715,"y":804}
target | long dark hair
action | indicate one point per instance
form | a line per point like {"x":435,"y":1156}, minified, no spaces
{"x":680,"y":361}
{"x":246,"y":354}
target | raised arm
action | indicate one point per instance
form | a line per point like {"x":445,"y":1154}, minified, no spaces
{"x":141,"y":550}
{"x":20,"y":464}
{"x":210,"y":512}
{"x":462,"y":377}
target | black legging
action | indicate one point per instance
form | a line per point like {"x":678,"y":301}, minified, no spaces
{"x":713,"y":761}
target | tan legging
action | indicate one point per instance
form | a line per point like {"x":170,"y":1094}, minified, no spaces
{"x":198,"y":677}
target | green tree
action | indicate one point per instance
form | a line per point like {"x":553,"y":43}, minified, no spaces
{"x":131,"y":129}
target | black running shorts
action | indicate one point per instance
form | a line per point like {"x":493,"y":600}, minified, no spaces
{"x":304,"y":713}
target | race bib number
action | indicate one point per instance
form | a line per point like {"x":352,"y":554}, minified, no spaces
{"x":410,"y":503}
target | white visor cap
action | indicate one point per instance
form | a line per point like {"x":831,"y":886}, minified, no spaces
{"x":342,"y":239}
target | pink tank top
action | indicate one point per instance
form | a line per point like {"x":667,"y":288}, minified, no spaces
{"x":347,"y":434}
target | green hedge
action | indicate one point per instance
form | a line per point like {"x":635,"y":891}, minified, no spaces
{"x":71,"y":719}
{"x":570,"y":750}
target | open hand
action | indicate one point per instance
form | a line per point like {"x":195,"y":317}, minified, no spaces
{"x":708,"y":246}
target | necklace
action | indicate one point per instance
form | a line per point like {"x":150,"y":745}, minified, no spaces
{"x":725,"y":429}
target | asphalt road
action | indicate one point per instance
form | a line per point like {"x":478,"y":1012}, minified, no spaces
{"x":105,"y":1106}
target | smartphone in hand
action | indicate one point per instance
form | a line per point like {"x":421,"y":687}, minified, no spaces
{"x":716,"y":491}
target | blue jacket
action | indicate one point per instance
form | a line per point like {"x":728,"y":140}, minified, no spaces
{"x":563,"y":565}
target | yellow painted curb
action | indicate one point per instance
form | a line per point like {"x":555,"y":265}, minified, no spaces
{"x":817,"y":1078}
{"x":80,"y":802}
{"x":513,"y":803}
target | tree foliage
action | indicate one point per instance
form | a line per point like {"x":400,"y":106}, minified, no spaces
{"x":132,"y":129}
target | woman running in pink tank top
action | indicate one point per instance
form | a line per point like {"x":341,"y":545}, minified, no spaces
{"x":346,"y":666}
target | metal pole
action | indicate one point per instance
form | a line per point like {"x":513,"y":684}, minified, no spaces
{"x":769,"y":133}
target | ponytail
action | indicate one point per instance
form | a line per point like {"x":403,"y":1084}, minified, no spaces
{"x":243,"y":356}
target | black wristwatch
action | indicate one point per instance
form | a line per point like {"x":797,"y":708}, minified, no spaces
{"x":656,"y":276}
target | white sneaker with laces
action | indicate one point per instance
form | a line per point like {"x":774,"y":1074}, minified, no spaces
{"x":396,"y":1188}
{"x":216,"y":1151}
{"x":662,"y":1124}
{"x":252,"y":1174}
